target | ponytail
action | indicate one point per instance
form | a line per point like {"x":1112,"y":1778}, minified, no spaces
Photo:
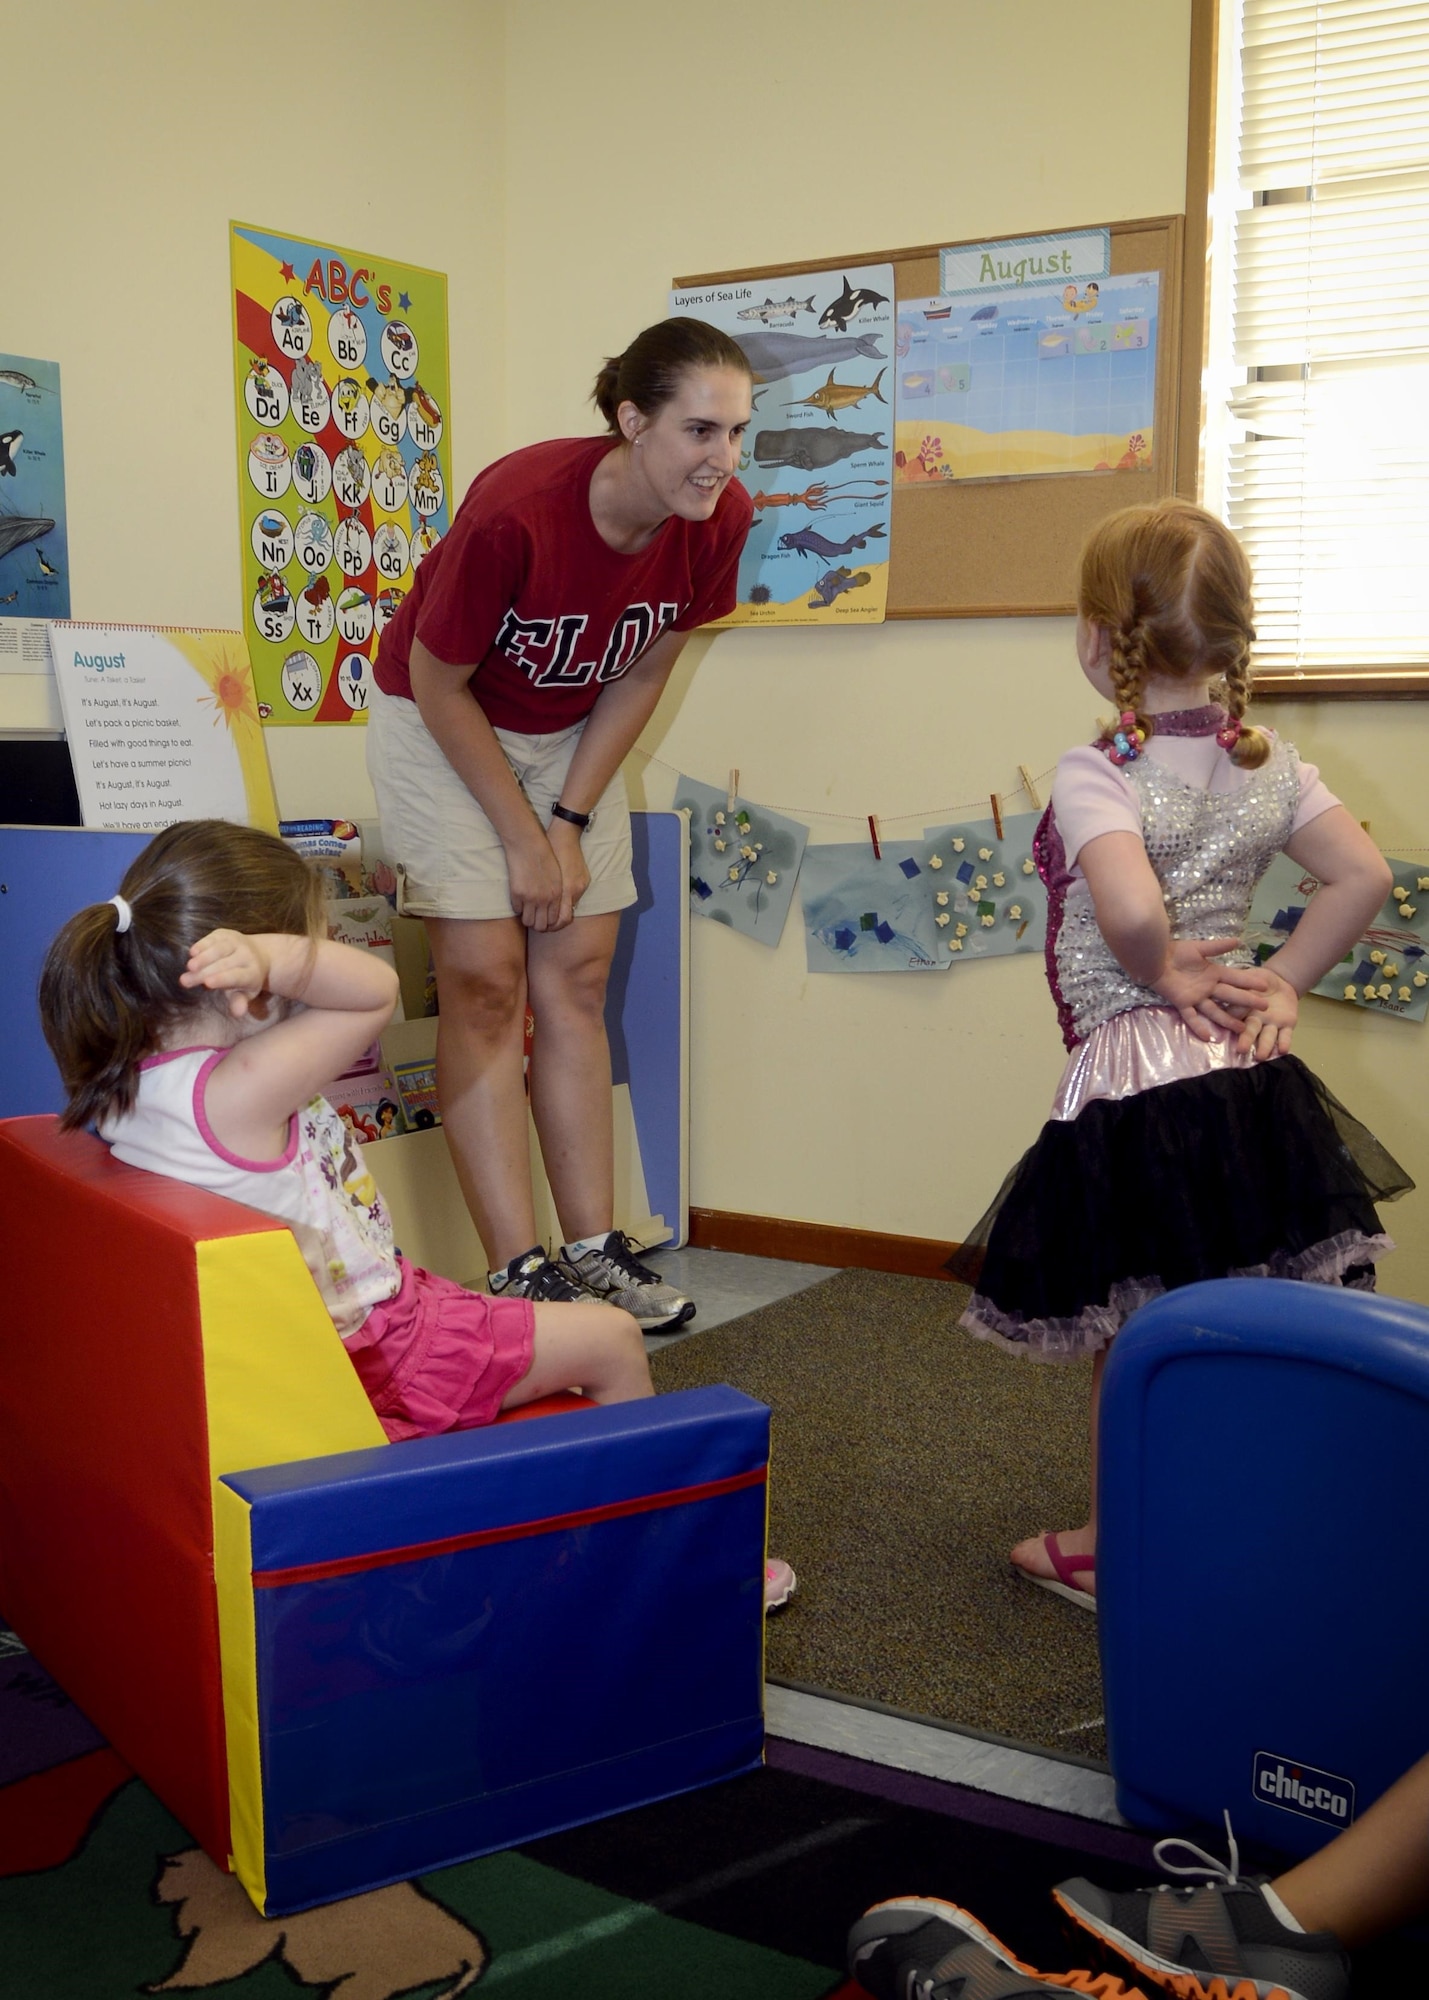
{"x":101,"y":1010}
{"x":651,"y":369}
{"x":108,"y":996}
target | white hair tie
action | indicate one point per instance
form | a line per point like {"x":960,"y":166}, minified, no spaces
{"x":126,"y":914}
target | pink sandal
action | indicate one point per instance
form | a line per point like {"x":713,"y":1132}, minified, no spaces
{"x":1067,"y":1568}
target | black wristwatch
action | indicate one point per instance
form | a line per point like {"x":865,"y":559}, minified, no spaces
{"x":582,"y":820}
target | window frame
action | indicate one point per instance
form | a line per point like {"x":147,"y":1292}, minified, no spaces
{"x":1204,"y":111}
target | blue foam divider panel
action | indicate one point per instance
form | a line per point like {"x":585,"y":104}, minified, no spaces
{"x":46,"y":874}
{"x":454,"y":1700}
{"x":1262,"y":1454}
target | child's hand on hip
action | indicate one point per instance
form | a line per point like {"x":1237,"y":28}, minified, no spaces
{"x":228,"y":962}
{"x":1267,"y":1026}
{"x":1204,"y":993}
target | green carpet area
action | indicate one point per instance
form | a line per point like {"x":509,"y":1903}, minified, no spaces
{"x":907,"y":1460}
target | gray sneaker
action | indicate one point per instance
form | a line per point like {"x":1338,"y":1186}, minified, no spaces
{"x":614,"y":1273}
{"x":1219,"y":1938}
{"x":535,"y":1277}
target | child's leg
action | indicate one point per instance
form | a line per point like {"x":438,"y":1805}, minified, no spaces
{"x":1032,"y":1555}
{"x":590,"y":1346}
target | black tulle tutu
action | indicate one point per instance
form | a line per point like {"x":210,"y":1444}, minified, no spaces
{"x":1244,"y":1172}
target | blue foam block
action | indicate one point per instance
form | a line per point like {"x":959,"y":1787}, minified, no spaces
{"x":1261,"y":1456}
{"x":416,"y":1711}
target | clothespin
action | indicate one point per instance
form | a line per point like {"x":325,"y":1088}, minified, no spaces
{"x":873,"y":836}
{"x":997,"y":815}
{"x":733,"y":791}
{"x":1029,"y":787}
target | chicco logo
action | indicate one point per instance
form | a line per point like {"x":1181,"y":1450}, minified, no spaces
{"x":1297,"y":1788}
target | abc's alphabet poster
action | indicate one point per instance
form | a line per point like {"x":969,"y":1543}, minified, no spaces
{"x":344,"y":465}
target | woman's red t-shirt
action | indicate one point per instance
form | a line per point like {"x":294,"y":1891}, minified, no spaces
{"x":524,"y":587}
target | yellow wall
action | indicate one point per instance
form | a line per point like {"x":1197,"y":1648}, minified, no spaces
{"x":142,"y":128}
{"x":561,"y":161}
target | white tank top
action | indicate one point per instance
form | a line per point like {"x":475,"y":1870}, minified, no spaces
{"x":320,"y":1186}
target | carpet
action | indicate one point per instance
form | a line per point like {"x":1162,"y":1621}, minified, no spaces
{"x":907,"y":1459}
{"x":744,"y":1891}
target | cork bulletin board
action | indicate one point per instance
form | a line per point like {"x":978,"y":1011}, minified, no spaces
{"x":989,"y":548}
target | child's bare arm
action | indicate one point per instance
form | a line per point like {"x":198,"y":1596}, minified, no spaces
{"x":1354,"y":880}
{"x":1131,"y":915}
{"x":345,"y":998}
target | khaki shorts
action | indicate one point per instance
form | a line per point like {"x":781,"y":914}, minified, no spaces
{"x":447,"y":854}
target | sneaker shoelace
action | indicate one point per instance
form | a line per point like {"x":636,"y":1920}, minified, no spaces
{"x":620,"y":1250}
{"x":1206,"y":1867}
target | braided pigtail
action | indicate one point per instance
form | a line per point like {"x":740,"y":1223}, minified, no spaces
{"x":1248,"y":746}
{"x":1123,"y":737}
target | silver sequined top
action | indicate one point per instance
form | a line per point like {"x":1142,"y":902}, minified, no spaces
{"x":1209,"y":849}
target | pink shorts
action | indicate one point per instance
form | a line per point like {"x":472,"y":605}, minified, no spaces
{"x":440,"y":1358}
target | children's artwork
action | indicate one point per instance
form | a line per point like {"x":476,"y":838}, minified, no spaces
{"x":988,"y":899}
{"x":743,"y":860}
{"x":1025,"y":381}
{"x":34,"y":544}
{"x":344,"y":461}
{"x":1387,"y":971}
{"x":867,"y":914}
{"x":819,"y":455}
{"x":162,"y":725}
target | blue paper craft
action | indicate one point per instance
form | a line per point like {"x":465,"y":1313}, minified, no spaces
{"x":985,"y":896}
{"x":1387,"y":970}
{"x":743,"y":860}
{"x":867,"y":915}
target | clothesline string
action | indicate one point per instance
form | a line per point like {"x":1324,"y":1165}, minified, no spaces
{"x":933,"y":814}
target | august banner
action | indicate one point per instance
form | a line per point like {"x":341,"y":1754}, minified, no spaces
{"x":344,"y":473}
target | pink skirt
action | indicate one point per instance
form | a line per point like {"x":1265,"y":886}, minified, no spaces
{"x":437,"y":1357}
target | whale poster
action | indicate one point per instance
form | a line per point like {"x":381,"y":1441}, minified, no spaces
{"x":344,"y":462}
{"x":1005,"y":385}
{"x":818,"y":457}
{"x":34,"y":545}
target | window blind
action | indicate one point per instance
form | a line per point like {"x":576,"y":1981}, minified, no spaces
{"x":1325,"y":474}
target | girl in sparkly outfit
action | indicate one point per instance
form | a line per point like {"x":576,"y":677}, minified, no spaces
{"x":1184,"y":1142}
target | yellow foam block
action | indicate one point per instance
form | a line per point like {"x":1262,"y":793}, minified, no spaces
{"x":278,"y":1383}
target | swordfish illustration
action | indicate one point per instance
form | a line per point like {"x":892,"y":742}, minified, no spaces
{"x":834,"y":396}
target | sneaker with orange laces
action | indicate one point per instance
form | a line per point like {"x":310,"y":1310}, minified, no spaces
{"x":917,"y":1948}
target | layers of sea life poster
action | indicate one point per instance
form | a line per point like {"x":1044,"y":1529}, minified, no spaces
{"x":744,"y":860}
{"x":344,"y":461}
{"x":1387,"y":970}
{"x":819,"y":454}
{"x":1020,"y":382}
{"x":34,"y":546}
